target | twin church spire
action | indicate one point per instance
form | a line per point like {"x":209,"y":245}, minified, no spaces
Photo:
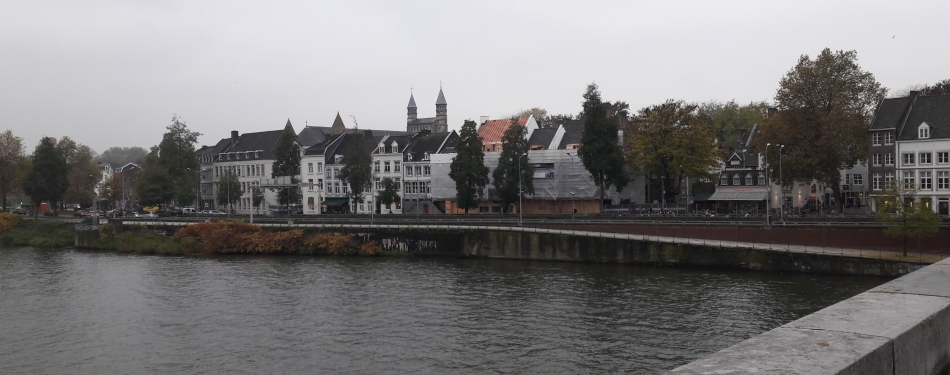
{"x":437,"y":124}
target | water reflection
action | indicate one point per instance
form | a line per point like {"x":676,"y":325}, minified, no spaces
{"x":84,"y":312}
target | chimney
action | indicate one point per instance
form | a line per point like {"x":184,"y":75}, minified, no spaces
{"x":914,"y":93}
{"x":482,"y":120}
{"x":234,"y":137}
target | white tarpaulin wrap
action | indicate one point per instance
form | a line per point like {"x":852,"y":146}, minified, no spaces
{"x":567,"y":176}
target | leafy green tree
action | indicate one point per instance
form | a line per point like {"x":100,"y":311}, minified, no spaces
{"x":257,"y":197}
{"x":824,"y":108}
{"x":671,"y":141}
{"x":229,"y":189}
{"x":389,"y":194}
{"x":728,"y":117}
{"x":287,"y":163}
{"x":904,"y":216}
{"x":12,"y":164}
{"x":357,"y":169}
{"x":154,"y":187}
{"x":178,"y":156}
{"x":84,"y":174}
{"x":514,"y":155}
{"x":468,"y":168}
{"x":46,"y":179}
{"x":600,"y":150}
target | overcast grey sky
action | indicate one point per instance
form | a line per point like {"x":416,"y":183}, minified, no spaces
{"x":112,"y":73}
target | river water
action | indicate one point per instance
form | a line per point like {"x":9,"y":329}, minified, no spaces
{"x":68,"y":311}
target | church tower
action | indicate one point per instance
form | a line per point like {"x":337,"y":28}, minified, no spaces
{"x":411,"y":108}
{"x":441,"y":114}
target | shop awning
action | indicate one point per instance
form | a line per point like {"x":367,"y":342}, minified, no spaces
{"x":335,"y":201}
{"x":739,"y":196}
{"x":701,"y":197}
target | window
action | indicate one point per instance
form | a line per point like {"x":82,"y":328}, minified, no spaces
{"x":395,"y":147}
{"x":888,"y":159}
{"x":858,"y":179}
{"x":378,"y":186}
{"x":923,"y":131}
{"x":426,"y":170}
{"x":876,"y":139}
{"x":908,"y":158}
{"x":876,"y":181}
{"x":735,"y":179}
{"x":398,"y":185}
{"x":926,"y":158}
{"x":888,"y":138}
{"x":409,"y":170}
{"x":376,"y":166}
{"x":310,"y":184}
{"x":876,"y":159}
{"x":418,"y":170}
{"x":319,"y":167}
{"x":386,"y":167}
{"x":748,"y":179}
{"x":381,"y":149}
{"x":425,"y":156}
{"x":723,"y":180}
{"x":396,"y":167}
{"x":926,"y":180}
{"x":943,"y":180}
{"x":346,"y":189}
{"x":761,"y":179}
{"x":909,"y":179}
{"x":336,"y":187}
{"x":888,"y":178}
{"x":310,"y":168}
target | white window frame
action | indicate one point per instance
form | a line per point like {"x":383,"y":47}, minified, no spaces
{"x":929,"y":157}
{"x":876,"y":139}
{"x":908,"y":158}
{"x":943,"y":180}
{"x":876,"y":159}
{"x":888,"y":159}
{"x":926,"y":180}
{"x":876,"y":181}
{"x":888,"y":138}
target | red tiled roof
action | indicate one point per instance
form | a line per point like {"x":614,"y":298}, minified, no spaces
{"x":492,"y":130}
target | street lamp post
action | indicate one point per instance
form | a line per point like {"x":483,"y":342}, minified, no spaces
{"x":781,"y":184}
{"x":573,"y":207}
{"x":520,"y":193}
{"x":768,"y":170}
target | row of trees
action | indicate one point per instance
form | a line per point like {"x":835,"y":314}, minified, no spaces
{"x":58,"y":171}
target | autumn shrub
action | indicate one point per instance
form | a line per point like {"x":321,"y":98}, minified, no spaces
{"x":333,"y":244}
{"x":218,"y":237}
{"x":106,"y":232}
{"x":9,"y":221}
{"x":369,"y":248}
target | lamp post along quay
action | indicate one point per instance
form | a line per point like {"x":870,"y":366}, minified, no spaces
{"x":573,"y":207}
{"x":768,"y":178}
{"x":520,"y":193}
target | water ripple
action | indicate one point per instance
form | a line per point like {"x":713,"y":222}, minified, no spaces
{"x":66,"y":311}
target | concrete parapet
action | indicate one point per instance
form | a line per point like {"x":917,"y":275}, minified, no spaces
{"x":901,"y":327}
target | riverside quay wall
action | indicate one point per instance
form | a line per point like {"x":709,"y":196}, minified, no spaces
{"x":901,"y":327}
{"x":514,"y":244}
{"x":831,"y":234}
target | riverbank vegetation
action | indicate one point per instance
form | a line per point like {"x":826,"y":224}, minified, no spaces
{"x":196,"y":239}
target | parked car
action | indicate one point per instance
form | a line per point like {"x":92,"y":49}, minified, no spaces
{"x":150,"y":215}
{"x":19,"y":211}
{"x":81,"y":213}
{"x":49,"y":213}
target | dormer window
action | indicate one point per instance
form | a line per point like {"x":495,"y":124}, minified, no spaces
{"x":380,"y":149}
{"x":425,"y":156}
{"x":395,"y":147}
{"x":923,"y":131}
{"x":338,"y":158}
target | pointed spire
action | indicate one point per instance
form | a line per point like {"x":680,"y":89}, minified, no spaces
{"x":412,"y":102}
{"x":441,"y":99}
{"x":288,"y":124}
{"x":338,"y":127}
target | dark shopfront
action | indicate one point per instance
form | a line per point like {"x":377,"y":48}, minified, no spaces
{"x":739,"y":202}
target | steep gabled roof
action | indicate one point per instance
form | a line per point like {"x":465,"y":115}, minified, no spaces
{"x":890,"y":113}
{"x":402,"y":140}
{"x":935,"y":111}
{"x":266,"y":142}
{"x":412,"y":102}
{"x":542,"y":137}
{"x":492,"y":130}
{"x":573,"y":132}
{"x":431,"y":143}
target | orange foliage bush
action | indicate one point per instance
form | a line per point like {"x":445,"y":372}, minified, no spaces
{"x":333,"y":244}
{"x":9,"y":221}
